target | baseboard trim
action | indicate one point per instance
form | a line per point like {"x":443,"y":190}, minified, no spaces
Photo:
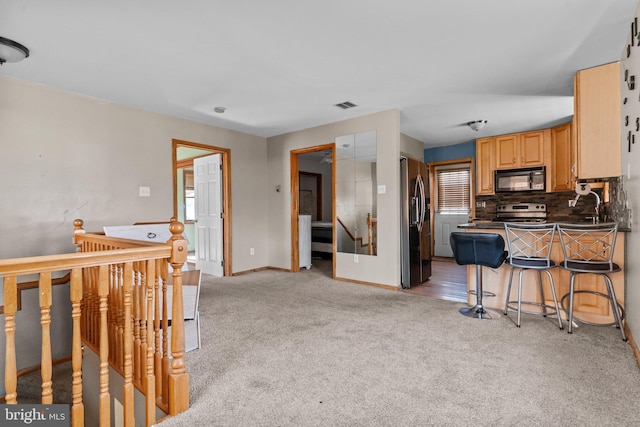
{"x":255,"y":270}
{"x":375,"y":285}
{"x":632,"y":342}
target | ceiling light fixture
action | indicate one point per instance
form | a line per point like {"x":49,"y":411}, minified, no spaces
{"x":328,"y":157}
{"x":11,"y":51}
{"x":477,"y":124}
{"x":220,"y":110}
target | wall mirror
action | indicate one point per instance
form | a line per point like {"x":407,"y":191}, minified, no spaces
{"x":356,"y":193}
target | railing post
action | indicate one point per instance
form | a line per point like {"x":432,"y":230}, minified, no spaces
{"x":149,"y":379}
{"x":178,"y":378}
{"x":10,"y":369}
{"x":45,"y":321}
{"x":104,"y":397}
{"x":77,"y":409}
{"x":127,"y":391}
{"x":77,"y":229}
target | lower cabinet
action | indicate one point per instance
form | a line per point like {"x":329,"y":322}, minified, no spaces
{"x":589,"y":307}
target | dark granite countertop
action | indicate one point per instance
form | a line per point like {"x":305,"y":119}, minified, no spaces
{"x":487,"y":225}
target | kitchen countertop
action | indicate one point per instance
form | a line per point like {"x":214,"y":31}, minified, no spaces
{"x":488,"y":225}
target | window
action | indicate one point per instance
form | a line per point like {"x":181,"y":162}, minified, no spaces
{"x":453,"y":187}
{"x":189,"y":196}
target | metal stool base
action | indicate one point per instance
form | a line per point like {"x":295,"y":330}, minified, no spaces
{"x":613,"y":323}
{"x":479,"y":313}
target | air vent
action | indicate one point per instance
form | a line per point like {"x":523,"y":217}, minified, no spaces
{"x":346,"y":104}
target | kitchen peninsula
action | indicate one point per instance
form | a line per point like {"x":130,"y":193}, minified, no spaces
{"x":587,"y":306}
{"x":584,"y":151}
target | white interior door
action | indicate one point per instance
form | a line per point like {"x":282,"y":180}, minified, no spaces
{"x":443,"y":226}
{"x":452,"y":198}
{"x":207,"y":175}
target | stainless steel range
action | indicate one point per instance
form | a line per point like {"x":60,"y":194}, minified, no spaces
{"x":521,"y":212}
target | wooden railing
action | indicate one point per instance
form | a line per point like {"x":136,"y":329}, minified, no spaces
{"x":118,"y":293}
{"x":372,"y":225}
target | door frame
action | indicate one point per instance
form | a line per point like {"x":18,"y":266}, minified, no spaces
{"x":432,"y":191}
{"x":226,"y":192}
{"x":295,"y":201}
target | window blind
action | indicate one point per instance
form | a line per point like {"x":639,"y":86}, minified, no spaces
{"x":453,"y":190}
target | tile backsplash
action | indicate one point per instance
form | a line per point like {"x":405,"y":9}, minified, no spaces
{"x":614,"y":206}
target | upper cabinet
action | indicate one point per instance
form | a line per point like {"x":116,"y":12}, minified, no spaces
{"x":520,"y":150}
{"x":513,"y":151}
{"x":562,"y":158}
{"x":597,"y":122}
{"x":485,"y":165}
{"x":587,"y":148}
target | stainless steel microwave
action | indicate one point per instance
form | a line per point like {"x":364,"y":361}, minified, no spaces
{"x":529,"y":179}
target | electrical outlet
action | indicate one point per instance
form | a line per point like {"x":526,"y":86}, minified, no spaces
{"x":481,"y":204}
{"x":252,"y":251}
{"x":355,"y":259}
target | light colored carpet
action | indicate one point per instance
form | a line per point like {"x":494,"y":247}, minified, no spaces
{"x":285,"y":349}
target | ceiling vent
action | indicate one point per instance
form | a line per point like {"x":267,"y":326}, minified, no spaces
{"x":345,"y":105}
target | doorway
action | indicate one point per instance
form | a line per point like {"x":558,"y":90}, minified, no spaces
{"x":448,"y":280}
{"x":313,"y":194}
{"x":184,"y":153}
{"x":452,"y":200}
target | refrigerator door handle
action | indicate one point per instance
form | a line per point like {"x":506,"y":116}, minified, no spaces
{"x":420,"y":202}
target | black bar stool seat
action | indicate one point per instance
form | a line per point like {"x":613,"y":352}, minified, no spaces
{"x":479,"y":249}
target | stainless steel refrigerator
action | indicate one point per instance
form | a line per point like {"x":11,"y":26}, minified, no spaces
{"x":415,"y":241}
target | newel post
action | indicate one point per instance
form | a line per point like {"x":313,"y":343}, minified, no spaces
{"x":77,"y":229}
{"x":178,"y":378}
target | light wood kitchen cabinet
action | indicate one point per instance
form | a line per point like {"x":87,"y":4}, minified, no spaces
{"x":507,"y":151}
{"x":485,"y":165}
{"x":520,"y":150}
{"x":597,"y":121}
{"x":562,"y":159}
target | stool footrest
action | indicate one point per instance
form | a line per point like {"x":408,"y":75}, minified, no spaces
{"x":566,"y":309}
{"x":484,"y":293}
{"x":551,"y":310}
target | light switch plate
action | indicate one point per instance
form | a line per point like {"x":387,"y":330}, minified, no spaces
{"x":145,"y":191}
{"x":382,"y":189}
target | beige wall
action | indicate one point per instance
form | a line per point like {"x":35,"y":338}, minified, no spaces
{"x":631,"y":175}
{"x":65,"y":156}
{"x":411,"y":147}
{"x":382,"y":269}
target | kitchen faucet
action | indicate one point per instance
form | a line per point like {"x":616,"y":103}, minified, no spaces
{"x":582,"y":189}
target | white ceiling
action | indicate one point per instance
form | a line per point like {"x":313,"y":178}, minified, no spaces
{"x":281,"y":65}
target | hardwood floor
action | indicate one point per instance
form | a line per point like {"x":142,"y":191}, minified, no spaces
{"x":448,"y":281}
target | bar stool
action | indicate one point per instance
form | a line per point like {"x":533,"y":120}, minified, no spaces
{"x":479,"y":249}
{"x":588,"y":249}
{"x":529,"y":247}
